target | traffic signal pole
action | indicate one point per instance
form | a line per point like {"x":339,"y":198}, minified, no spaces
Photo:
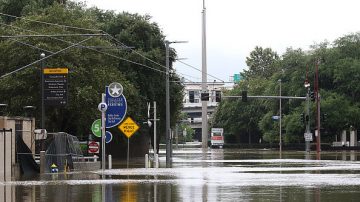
{"x":317,"y":97}
{"x":307,"y":120}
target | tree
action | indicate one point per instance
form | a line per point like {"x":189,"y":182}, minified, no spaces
{"x":137,"y":69}
{"x":261,"y":63}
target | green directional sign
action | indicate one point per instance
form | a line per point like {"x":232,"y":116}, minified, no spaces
{"x":96,"y":128}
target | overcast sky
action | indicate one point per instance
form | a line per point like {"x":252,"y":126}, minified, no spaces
{"x":235,"y":27}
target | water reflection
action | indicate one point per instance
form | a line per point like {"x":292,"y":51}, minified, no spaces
{"x":214,"y":175}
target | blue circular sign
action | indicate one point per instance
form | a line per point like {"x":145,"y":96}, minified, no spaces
{"x":108,"y":137}
{"x":116,"y":109}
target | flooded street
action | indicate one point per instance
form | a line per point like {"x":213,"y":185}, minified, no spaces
{"x":215,"y":175}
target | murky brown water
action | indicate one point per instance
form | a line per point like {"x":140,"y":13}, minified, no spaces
{"x":215,"y":175}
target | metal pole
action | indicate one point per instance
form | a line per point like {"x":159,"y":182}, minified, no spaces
{"x":307,"y":119}
{"x":156,"y":159}
{"x":110,"y":162}
{"x":204,"y":126}
{"x":280,"y":141}
{"x":317,"y":97}
{"x":168,"y":141}
{"x":103,"y":135}
{"x":4,"y":130}
{"x":42,"y":55}
{"x":128,"y":151}
{"x":155,"y":146}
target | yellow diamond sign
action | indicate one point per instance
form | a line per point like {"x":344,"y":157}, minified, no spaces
{"x":128,"y":127}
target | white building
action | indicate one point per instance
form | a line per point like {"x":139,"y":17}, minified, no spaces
{"x":193,"y":109}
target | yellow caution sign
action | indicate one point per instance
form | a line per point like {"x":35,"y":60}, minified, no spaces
{"x":128,"y":127}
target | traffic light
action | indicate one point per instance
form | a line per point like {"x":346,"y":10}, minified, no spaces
{"x":307,"y":118}
{"x":204,"y":96}
{"x":244,"y":96}
{"x":191,"y":97}
{"x":302,"y":118}
{"x":323,"y":117}
{"x":218,"y":96}
{"x":312,"y":96}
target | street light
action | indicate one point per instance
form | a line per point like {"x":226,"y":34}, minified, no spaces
{"x":280,"y":142}
{"x":168,"y":138}
{"x":42,"y":56}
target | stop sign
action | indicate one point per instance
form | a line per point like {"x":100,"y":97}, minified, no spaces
{"x":93,"y":147}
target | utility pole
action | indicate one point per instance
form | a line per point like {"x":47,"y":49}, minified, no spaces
{"x":42,"y":55}
{"x":168,"y":137}
{"x":307,"y":120}
{"x":307,"y":113}
{"x":317,"y":97}
{"x":168,"y":140}
{"x":280,"y":131}
{"x":204,"y":126}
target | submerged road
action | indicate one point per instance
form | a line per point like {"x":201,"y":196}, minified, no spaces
{"x":213,"y":175}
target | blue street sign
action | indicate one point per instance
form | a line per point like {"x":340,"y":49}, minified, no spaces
{"x":108,"y":137}
{"x":275,"y":117}
{"x":116,"y":110}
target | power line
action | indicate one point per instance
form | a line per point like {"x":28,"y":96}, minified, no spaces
{"x":54,"y":35}
{"x":62,"y":50}
{"x":157,"y":62}
{"x":32,"y":46}
{"x":49,"y":23}
{"x":199,"y":70}
{"x":94,"y":49}
{"x":78,"y":28}
{"x":135,"y":51}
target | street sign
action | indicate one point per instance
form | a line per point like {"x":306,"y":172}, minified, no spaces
{"x":96,"y":128}
{"x":93,"y":147}
{"x":116,"y":110}
{"x":275,"y":117}
{"x":115,"y":89}
{"x":55,"y":86}
{"x":217,"y":130}
{"x":308,"y":137}
{"x":102,"y":106}
{"x":128,"y":127}
{"x":108,"y":137}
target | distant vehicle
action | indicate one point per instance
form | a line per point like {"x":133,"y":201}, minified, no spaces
{"x":217,"y":137}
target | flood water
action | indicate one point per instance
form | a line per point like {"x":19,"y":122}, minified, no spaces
{"x":213,"y":175}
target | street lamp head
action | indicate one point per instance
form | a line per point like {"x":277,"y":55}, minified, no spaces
{"x":29,"y":107}
{"x":42,"y":55}
{"x":169,"y":42}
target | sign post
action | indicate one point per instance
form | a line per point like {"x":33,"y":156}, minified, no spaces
{"x":128,"y":127}
{"x":103,"y":107}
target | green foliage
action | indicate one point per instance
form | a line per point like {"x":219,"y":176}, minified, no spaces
{"x":339,"y":74}
{"x":90,"y":70}
{"x":261,"y":63}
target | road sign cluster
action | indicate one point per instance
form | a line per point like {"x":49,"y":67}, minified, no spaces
{"x":115,"y":107}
